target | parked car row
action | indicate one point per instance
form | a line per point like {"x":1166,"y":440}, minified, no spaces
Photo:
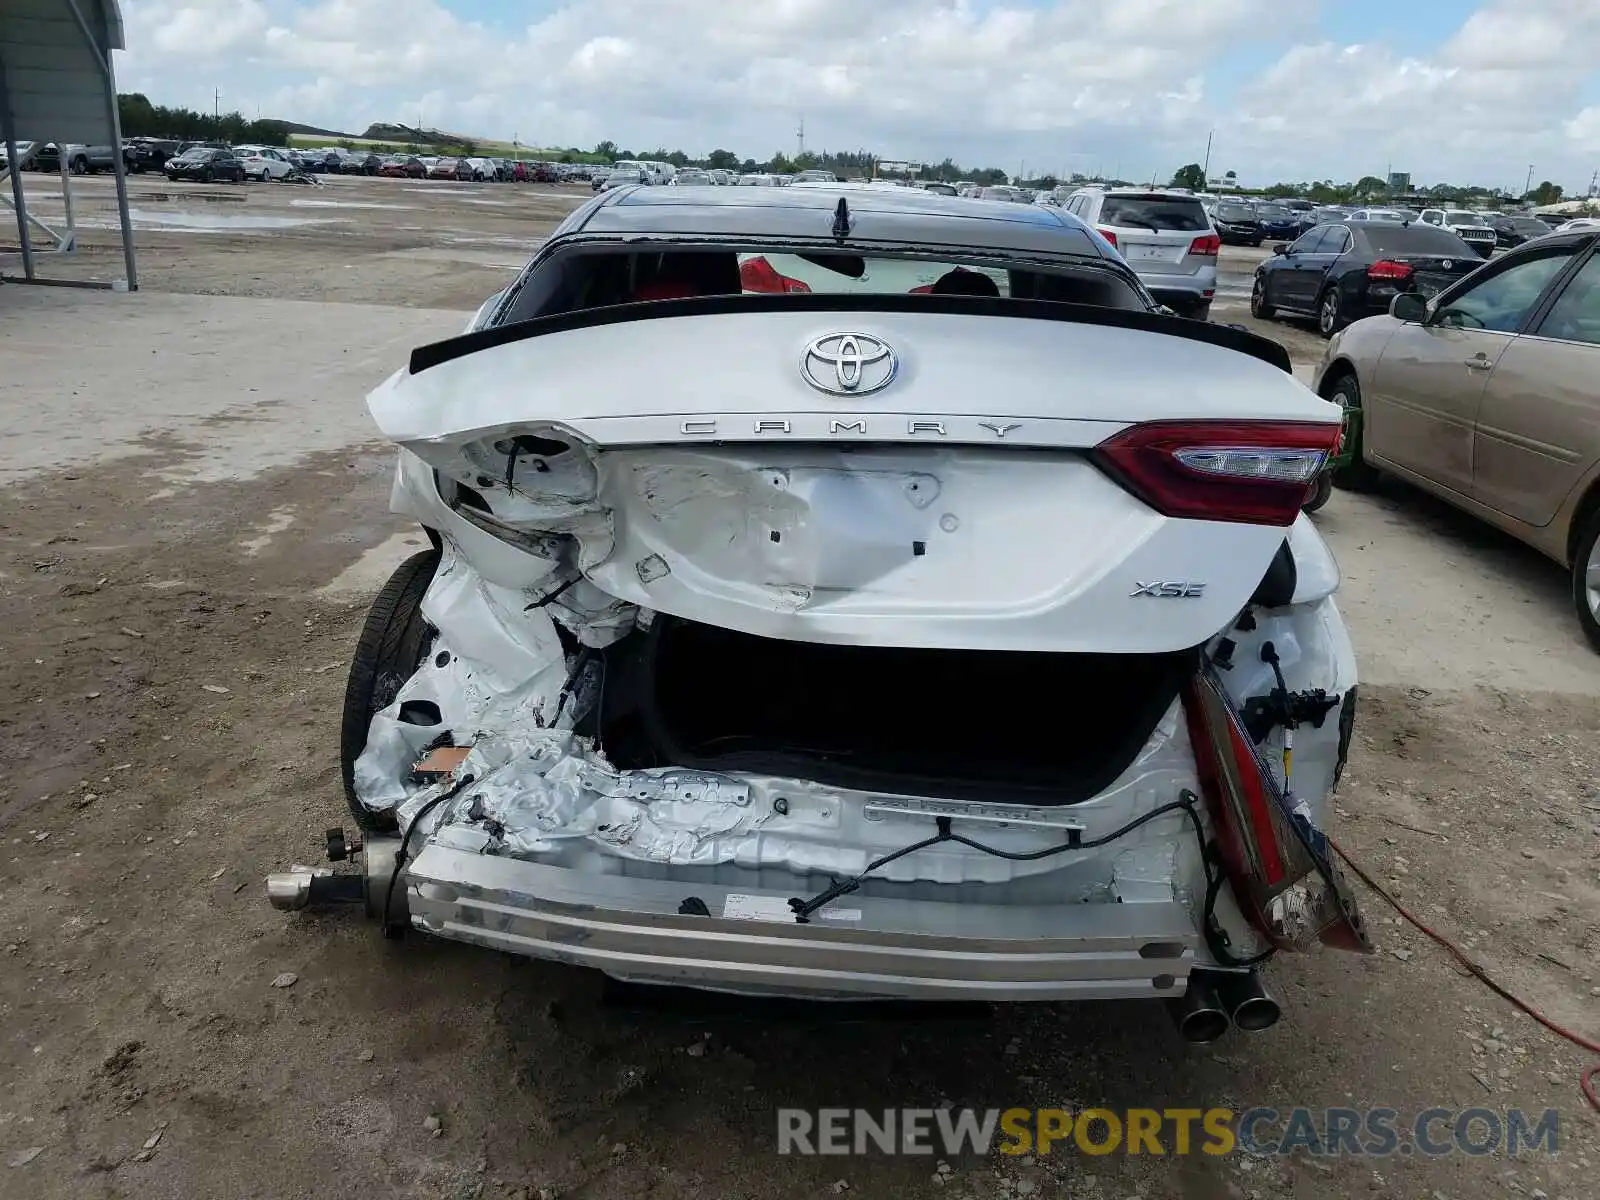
{"x":336,"y":160}
{"x":76,"y":157}
{"x":208,"y":162}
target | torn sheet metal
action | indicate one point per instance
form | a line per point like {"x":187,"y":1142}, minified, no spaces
{"x":532,"y":791}
{"x":495,"y":664}
{"x":548,"y":795}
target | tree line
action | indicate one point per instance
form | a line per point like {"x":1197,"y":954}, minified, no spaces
{"x":1367,"y":188}
{"x":140,"y":118}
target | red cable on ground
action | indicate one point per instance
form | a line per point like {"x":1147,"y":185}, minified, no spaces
{"x":1586,"y":1081}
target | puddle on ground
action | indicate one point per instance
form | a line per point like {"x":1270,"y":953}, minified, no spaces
{"x":277,"y":521}
{"x":350,"y":204}
{"x":222,"y":222}
{"x":184,"y":222}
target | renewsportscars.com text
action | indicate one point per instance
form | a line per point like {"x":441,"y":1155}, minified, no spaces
{"x":1373,"y":1132}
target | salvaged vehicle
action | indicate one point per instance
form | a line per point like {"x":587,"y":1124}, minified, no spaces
{"x":944,"y":641}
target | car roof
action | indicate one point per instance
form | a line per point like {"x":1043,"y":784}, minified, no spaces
{"x":1147,"y":193}
{"x":876,"y":214}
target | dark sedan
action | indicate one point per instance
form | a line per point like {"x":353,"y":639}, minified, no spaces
{"x":360,"y":164}
{"x":1341,"y":272}
{"x":1278,"y":223}
{"x":205,"y":164}
{"x":150,"y":154}
{"x":1513,"y":231}
{"x":1236,"y":223}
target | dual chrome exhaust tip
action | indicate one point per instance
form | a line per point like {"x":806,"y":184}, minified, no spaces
{"x":1219,"y":1000}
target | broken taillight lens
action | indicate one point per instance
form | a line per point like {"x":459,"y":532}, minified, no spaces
{"x":1256,"y":472}
{"x":1279,"y":863}
{"x":759,"y":275}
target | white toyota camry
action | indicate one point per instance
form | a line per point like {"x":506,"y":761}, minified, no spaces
{"x":936,"y":620}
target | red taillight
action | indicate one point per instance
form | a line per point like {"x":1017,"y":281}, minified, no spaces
{"x":1256,"y":472}
{"x":1387,"y":268}
{"x":1208,"y":244}
{"x":1283,"y":876}
{"x":758,"y":275}
{"x":1107,"y":234}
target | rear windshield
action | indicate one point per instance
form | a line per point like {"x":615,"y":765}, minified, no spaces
{"x":1414,"y":239}
{"x":1235,"y":212}
{"x":1153,"y":212}
{"x":1275,"y":211}
{"x":599,"y":278}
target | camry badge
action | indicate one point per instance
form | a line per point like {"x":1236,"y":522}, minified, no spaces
{"x":849,"y":364}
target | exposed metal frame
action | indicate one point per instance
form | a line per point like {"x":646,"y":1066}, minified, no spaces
{"x":102,"y":59}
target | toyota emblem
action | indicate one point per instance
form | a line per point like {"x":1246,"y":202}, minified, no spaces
{"x":849,"y":364}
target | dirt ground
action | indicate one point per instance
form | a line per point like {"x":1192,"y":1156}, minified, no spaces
{"x":180,"y":588}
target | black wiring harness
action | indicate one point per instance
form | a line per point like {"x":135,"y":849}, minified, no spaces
{"x":405,"y":843}
{"x":1187,"y":803}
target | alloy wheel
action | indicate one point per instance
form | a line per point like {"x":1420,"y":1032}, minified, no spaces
{"x":1591,"y":581}
{"x":1328,"y":313}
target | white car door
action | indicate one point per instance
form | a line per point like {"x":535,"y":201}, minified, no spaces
{"x":273,"y":165}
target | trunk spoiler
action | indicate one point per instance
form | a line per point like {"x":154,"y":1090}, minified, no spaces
{"x":1227,"y":336}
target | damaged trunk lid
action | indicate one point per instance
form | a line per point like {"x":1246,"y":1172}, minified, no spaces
{"x":893,"y":478}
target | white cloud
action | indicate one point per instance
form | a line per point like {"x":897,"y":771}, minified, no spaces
{"x":1073,"y":84}
{"x":1500,"y":92}
{"x":208,"y":27}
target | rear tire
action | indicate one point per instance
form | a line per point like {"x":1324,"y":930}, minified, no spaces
{"x":391,"y":647}
{"x":1259,"y":308}
{"x":1587,"y":605}
{"x":1320,"y":492}
{"x":1357,"y":475}
{"x":1330,"y":313}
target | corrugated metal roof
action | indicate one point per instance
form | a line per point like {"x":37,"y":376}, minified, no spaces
{"x":55,"y":89}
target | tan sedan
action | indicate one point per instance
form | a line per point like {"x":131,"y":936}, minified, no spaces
{"x":1488,"y":395}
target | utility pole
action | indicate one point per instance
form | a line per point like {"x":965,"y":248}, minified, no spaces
{"x":216,"y":104}
{"x":1205,"y":167}
{"x":1528,"y":186}
{"x":800,"y":139}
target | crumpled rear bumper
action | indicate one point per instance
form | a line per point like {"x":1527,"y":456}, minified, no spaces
{"x":646,"y":931}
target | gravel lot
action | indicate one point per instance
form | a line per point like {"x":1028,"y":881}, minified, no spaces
{"x":193,"y":512}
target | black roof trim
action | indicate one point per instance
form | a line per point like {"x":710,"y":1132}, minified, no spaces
{"x":1227,"y":336}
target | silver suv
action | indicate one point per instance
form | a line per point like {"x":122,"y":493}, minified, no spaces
{"x":1166,"y":237}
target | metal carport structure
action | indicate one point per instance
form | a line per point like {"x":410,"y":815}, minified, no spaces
{"x":57,"y":84}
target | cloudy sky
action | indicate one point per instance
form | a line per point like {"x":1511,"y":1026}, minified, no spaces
{"x":1454,"y":90}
